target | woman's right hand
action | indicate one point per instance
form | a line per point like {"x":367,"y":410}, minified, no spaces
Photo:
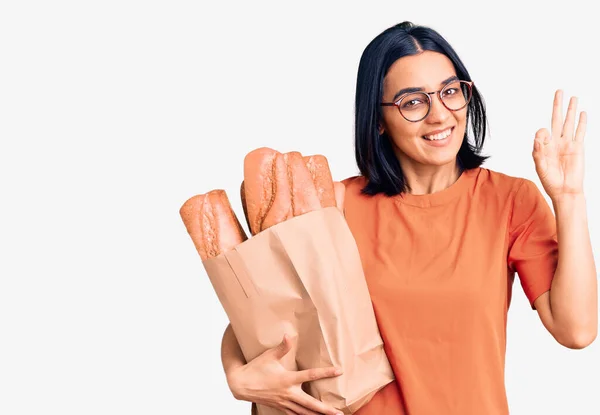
{"x":266,"y":381}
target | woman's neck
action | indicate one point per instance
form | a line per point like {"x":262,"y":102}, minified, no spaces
{"x":423,"y":179}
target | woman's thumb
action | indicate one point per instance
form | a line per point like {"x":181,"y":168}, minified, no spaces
{"x":283,"y":348}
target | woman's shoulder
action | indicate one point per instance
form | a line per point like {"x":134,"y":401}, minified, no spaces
{"x":354,"y":184}
{"x":496,"y":181}
{"x":352,"y":180}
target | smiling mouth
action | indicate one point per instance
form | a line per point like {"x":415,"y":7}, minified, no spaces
{"x":440,"y":136}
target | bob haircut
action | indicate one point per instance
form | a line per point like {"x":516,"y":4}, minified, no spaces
{"x":373,"y":151}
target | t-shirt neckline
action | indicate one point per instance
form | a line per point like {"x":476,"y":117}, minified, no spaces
{"x":443,"y":196}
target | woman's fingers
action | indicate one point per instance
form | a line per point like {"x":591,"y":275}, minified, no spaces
{"x":308,"y":375}
{"x":306,"y":401}
{"x":300,"y":410}
{"x":538,"y":149}
{"x":581,"y":126}
{"x":282,"y":348}
{"x":304,"y":404}
{"x":567,"y":130}
{"x":569,"y":126}
{"x":290,"y":412}
{"x":542,"y":136}
{"x":557,"y":118}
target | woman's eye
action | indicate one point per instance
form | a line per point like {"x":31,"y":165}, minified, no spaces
{"x":450,"y":91}
{"x":411,"y":103}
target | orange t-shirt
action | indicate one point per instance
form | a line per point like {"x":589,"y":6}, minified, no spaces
{"x":440,"y":269}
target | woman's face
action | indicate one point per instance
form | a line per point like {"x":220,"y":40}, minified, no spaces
{"x":414,"y":142}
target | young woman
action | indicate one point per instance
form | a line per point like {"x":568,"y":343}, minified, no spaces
{"x":441,"y":238}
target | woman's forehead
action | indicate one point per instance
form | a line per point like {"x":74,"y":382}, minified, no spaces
{"x":427,"y":70}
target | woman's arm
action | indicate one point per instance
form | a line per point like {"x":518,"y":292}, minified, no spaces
{"x":231,"y":354}
{"x":266,"y":381}
{"x":570,"y":309}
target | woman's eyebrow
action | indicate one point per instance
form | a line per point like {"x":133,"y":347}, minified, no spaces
{"x":419,"y":89}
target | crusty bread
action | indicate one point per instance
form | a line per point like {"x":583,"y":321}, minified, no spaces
{"x":259,"y":186}
{"x":304,"y":194}
{"x":211,"y":223}
{"x":321,"y":175}
{"x":243,"y":197}
{"x":281,"y":206}
{"x":193,"y":219}
{"x":277,"y":187}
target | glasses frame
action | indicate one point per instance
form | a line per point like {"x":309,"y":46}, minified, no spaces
{"x":429,"y":94}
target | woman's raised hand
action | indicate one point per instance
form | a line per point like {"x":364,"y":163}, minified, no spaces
{"x":558,"y":155}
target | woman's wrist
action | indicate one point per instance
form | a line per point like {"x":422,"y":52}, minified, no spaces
{"x":233,"y":382}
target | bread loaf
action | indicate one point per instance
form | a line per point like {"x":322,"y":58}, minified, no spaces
{"x":212,"y":223}
{"x":281,"y":206}
{"x":243,"y":198}
{"x":278,"y":186}
{"x":321,"y":175}
{"x":259,"y":186}
{"x":304,"y":194}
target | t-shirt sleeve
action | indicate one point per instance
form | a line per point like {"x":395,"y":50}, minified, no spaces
{"x":533,"y":243}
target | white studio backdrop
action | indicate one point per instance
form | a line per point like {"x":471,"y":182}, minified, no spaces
{"x":113,"y":113}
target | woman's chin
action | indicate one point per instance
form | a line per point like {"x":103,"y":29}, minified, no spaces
{"x":441,"y":158}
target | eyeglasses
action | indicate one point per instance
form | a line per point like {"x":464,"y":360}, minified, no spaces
{"x":415,"y":106}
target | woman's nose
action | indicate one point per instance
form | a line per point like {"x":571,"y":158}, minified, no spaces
{"x":438,"y":112}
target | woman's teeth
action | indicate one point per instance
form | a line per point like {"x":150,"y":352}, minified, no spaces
{"x":439,"y":136}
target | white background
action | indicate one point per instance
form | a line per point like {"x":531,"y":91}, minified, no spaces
{"x":113,"y":113}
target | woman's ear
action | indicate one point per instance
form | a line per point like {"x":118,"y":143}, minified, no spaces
{"x":380,"y":129}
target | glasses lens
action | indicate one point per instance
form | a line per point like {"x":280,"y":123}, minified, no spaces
{"x":456,"y":95}
{"x":414,"y":107}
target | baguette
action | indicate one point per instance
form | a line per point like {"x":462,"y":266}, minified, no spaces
{"x":304,"y":194}
{"x":280,"y":208}
{"x":259,"y":186}
{"x":243,"y":198}
{"x":321,"y":175}
{"x":278,"y":186}
{"x":212,"y":223}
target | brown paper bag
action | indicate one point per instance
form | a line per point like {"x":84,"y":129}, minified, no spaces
{"x":304,"y":277}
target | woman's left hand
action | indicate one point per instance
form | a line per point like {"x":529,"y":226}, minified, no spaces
{"x":558,"y":155}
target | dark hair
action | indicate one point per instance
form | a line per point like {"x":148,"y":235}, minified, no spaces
{"x":374,"y":153}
